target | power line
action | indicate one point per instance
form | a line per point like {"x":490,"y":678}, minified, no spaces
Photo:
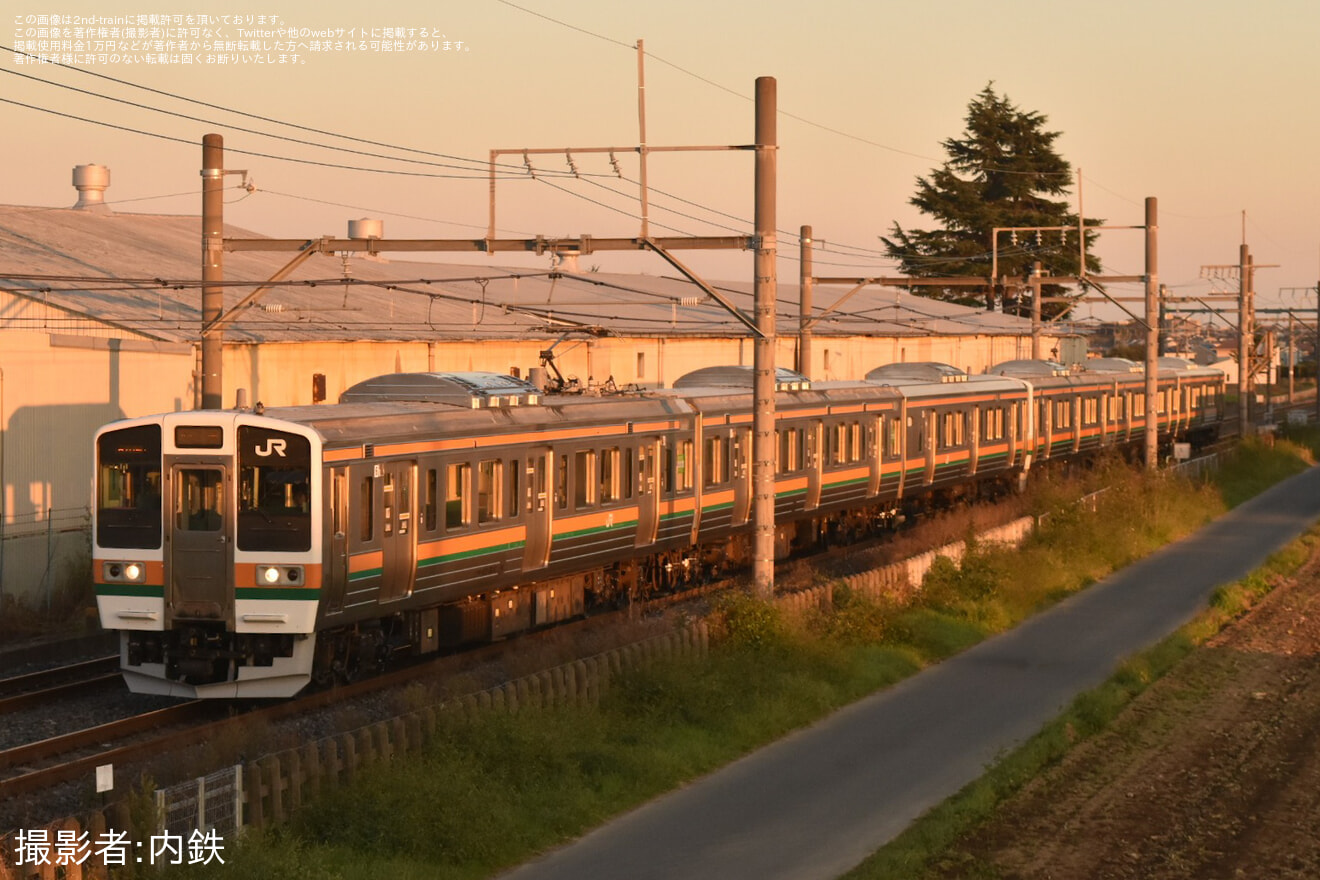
{"x":285,"y":138}
{"x":480,"y":163}
{"x":228,"y":149}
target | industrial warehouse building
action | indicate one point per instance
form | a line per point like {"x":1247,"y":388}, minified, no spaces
{"x":100,"y":320}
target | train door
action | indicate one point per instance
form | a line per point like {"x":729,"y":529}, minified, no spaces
{"x":200,"y":555}
{"x":974,"y":455}
{"x":648,"y":493}
{"x":815,"y":463}
{"x":398,"y":542}
{"x":740,"y":457}
{"x":900,"y":432}
{"x":872,"y":434}
{"x":930,"y":439}
{"x":336,"y":514}
{"x":536,"y":507}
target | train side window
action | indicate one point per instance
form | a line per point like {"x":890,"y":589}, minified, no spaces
{"x":687,"y":466}
{"x":892,"y":445}
{"x":512,"y":469}
{"x":1063,"y":414}
{"x":367,"y":510}
{"x":627,"y":472}
{"x":666,"y":469}
{"x":1090,"y":411}
{"x":458,"y":478}
{"x":952,"y":429}
{"x":790,"y":449}
{"x":584,"y":487}
{"x":646,"y":470}
{"x":561,"y":482}
{"x":429,"y":511}
{"x":916,"y":434}
{"x":488,"y":491}
{"x":609,"y":475}
{"x":714,"y":464}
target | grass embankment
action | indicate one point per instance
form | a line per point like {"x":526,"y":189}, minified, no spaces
{"x":493,"y":790}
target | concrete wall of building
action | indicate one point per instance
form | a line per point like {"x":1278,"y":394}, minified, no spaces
{"x":55,"y":391}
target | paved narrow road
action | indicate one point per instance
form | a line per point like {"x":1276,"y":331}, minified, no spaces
{"x":818,"y":802}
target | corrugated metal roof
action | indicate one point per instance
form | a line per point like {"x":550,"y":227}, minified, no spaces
{"x":335,"y":298}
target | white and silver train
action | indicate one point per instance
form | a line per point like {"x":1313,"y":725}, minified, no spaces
{"x":242,"y":553}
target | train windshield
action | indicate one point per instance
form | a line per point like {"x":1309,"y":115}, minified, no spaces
{"x":128,"y":488}
{"x":274,"y":490}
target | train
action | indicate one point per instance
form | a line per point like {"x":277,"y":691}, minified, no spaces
{"x":250,"y":552}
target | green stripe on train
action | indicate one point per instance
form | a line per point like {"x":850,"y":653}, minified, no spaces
{"x":303,"y":594}
{"x":137,"y":591}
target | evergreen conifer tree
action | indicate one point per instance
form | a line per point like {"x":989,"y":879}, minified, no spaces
{"x":1003,"y":172}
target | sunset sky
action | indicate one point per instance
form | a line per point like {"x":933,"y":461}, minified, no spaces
{"x":1207,"y":105}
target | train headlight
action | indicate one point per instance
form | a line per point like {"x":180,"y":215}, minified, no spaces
{"x":124,"y":572}
{"x":279,"y":575}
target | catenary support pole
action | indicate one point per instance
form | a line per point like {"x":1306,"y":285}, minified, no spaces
{"x":213,"y":268}
{"x":1036,"y":269}
{"x":1244,"y":342}
{"x":806,"y":291}
{"x":763,"y":417}
{"x":1152,"y":332}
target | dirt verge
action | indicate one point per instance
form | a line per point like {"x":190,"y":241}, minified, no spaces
{"x":1214,"y":772}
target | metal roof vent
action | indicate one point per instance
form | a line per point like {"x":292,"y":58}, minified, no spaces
{"x":366,"y":228}
{"x":740,"y":377}
{"x":920,"y":371}
{"x":91,"y":182}
{"x":474,"y":390}
{"x":566,"y":260}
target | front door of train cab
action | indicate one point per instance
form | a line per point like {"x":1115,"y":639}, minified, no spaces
{"x":200,"y":553}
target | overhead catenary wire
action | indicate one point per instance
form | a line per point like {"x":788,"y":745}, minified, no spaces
{"x":251,"y":131}
{"x":479,"y":164}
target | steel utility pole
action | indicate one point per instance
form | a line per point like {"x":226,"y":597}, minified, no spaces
{"x":213,"y":268}
{"x":1035,"y":310}
{"x":806,"y":292}
{"x":764,"y":289}
{"x":1152,"y":332}
{"x":1244,"y":338}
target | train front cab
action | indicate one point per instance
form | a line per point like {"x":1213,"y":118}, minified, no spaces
{"x":203,"y":554}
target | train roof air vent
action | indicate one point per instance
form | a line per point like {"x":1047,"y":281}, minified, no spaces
{"x":926,"y":371}
{"x":1028,"y":369}
{"x":1113,"y":365}
{"x":740,"y":377}
{"x":472,"y":390}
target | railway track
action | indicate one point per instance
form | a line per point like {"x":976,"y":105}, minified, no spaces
{"x":134,"y":741}
{"x":53,"y":685}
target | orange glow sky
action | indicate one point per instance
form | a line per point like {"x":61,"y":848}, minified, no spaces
{"x":1208,"y":106}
